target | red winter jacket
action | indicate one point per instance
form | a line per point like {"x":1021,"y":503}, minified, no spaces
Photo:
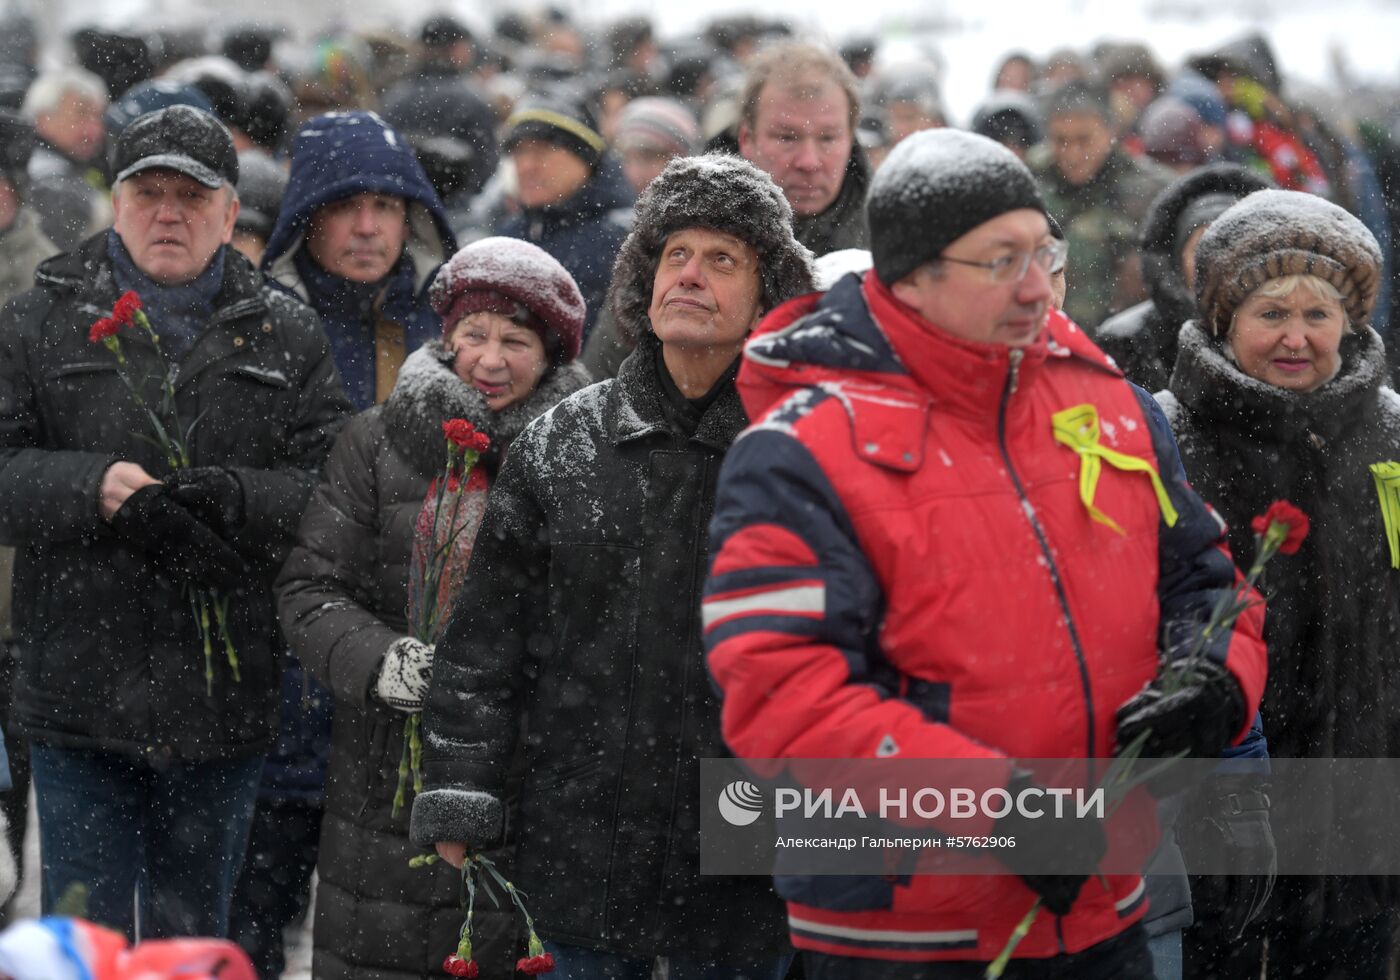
{"x":901,"y":560}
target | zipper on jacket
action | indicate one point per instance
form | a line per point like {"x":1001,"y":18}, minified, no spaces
{"x":1012,"y":379}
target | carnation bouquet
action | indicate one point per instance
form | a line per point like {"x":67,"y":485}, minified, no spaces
{"x":209,"y":608}
{"x":442,"y":541}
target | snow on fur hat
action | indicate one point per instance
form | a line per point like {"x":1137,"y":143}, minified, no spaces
{"x":515,"y":279}
{"x":723,"y":193}
{"x":1271,"y":234}
{"x":935,"y":187}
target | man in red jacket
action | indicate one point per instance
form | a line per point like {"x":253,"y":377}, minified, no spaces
{"x":905,"y":565}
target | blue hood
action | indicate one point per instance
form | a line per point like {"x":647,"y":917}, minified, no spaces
{"x":340,"y":154}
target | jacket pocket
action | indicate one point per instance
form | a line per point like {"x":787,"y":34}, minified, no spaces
{"x":86,"y":407}
{"x":242,"y":399}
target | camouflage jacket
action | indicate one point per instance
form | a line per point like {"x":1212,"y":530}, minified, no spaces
{"x":1101,"y":220}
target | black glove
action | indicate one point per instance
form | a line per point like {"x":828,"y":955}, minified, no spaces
{"x":180,"y":546}
{"x":1054,"y":856}
{"x":212,"y":494}
{"x":1227,"y":820}
{"x":1199,"y":718}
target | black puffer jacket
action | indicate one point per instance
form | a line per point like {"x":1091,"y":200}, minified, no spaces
{"x":1334,"y":612}
{"x":581,"y":613}
{"x":342,"y":599}
{"x":110,"y":654}
{"x":1142,"y":338}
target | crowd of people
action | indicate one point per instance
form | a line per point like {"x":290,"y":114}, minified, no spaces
{"x":770,"y":359}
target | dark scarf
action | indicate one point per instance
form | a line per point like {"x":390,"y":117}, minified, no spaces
{"x":179,"y":314}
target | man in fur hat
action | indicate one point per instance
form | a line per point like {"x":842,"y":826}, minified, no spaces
{"x":587,"y":614}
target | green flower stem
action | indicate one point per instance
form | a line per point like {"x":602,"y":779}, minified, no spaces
{"x":412,"y":731}
{"x":208,"y":647}
{"x":405,"y":759}
{"x":464,"y":937}
{"x":998,"y":966}
{"x":221,"y":615}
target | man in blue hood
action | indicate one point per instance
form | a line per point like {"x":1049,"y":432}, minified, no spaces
{"x":359,"y":236}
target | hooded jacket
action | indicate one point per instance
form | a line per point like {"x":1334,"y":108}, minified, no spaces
{"x":341,"y":597}
{"x":584,"y":232}
{"x":1334,"y":608}
{"x":109,"y":650}
{"x":942,"y":527}
{"x":339,"y":155}
{"x":1142,"y":338}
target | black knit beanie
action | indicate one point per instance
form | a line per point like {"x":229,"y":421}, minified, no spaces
{"x":559,"y":123}
{"x":935,"y":187}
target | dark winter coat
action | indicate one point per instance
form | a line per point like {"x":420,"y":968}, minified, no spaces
{"x":67,"y":195}
{"x":1142,"y":338}
{"x":342,"y":599}
{"x":842,"y":225}
{"x":338,"y":156}
{"x":583,"y":232}
{"x":110,"y":653}
{"x":581,"y":614}
{"x":438,"y":101}
{"x":1334,"y":613}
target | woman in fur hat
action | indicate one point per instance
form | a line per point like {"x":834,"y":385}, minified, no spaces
{"x":1278,"y":393}
{"x":513,"y":321}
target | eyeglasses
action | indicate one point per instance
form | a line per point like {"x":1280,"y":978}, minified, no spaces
{"x":1013,"y":267}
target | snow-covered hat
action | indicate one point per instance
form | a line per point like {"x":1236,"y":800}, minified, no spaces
{"x":1272,"y":234}
{"x":935,"y":187}
{"x":517,"y":280}
{"x":723,"y":193}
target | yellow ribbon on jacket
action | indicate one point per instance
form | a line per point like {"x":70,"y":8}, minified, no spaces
{"x":1387,"y":476}
{"x":1078,"y":428}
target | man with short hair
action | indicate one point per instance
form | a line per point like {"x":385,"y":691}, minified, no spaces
{"x":904,"y":568}
{"x":359,"y":237}
{"x":68,"y":181}
{"x":798,"y":115}
{"x":587,"y":616}
{"x":1101,"y":196}
{"x":146,"y":755}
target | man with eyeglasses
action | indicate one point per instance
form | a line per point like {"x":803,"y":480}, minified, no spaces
{"x":904,"y":565}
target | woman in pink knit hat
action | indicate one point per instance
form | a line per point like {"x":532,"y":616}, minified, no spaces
{"x":513,"y":320}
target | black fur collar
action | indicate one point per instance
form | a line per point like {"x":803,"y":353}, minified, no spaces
{"x":428,"y":393}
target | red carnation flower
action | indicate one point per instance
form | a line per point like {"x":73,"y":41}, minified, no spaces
{"x":126,"y":307}
{"x":459,"y":432}
{"x":480,"y":442}
{"x":535,"y":965}
{"x":455,"y":966}
{"x":102,"y":329}
{"x":1290,"y":517}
